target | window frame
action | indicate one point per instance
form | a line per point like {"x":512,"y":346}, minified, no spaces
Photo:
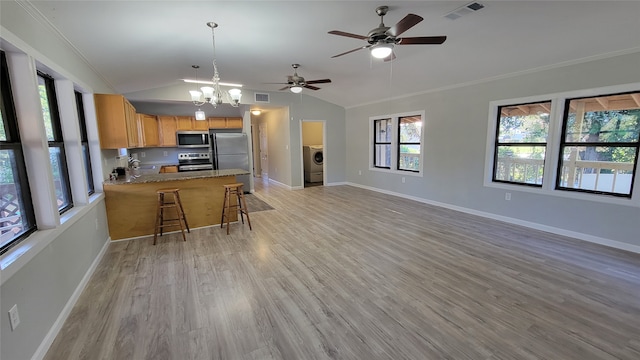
{"x":400,"y":143}
{"x":563,"y":144}
{"x":376,"y":143}
{"x":395,"y":143}
{"x":497,"y":144}
{"x":553,"y":146}
{"x":84,"y":142}
{"x":58,"y":141}
{"x":14,"y":144}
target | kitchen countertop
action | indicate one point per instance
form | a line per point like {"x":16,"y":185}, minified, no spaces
{"x":187,"y":175}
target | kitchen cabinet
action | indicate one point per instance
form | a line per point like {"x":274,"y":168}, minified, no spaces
{"x":225,"y":123}
{"x":169,"y":169}
{"x":148,"y":130}
{"x":117,"y":122}
{"x":168,"y":126}
{"x":185,"y":122}
{"x":190,"y":123}
{"x":200,"y":125}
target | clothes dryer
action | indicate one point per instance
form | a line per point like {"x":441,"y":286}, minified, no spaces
{"x":313,"y":158}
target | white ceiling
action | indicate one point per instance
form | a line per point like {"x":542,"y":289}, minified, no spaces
{"x":142,"y":45}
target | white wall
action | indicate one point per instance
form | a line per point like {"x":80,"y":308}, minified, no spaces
{"x":312,"y":133}
{"x":454,"y":146}
{"x":44,"y":280}
{"x":278,"y":145}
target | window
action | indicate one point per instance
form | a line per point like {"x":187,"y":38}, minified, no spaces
{"x":410,"y":133}
{"x":84,"y":142}
{"x":581,"y":144}
{"x":17,"y":218}
{"x":382,"y":143}
{"x":599,"y":145}
{"x":397,"y":142}
{"x":521,"y":143}
{"x":56,"y":146}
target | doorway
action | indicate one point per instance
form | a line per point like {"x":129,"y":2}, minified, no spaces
{"x":313,"y":152}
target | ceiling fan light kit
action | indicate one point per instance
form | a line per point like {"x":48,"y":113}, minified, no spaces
{"x":381,"y":40}
{"x":295,"y":82}
{"x":381,"y":51}
{"x":212,"y":94}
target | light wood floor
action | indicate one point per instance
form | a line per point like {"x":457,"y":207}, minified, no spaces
{"x":345,"y":273}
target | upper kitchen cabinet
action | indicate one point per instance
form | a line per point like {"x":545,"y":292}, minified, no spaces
{"x":201,"y":125}
{"x":148,"y":130}
{"x":225,"y":123}
{"x":185,"y":122}
{"x":168,"y":127}
{"x":117,"y":122}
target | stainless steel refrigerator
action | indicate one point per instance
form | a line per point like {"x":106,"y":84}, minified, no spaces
{"x":230,"y":150}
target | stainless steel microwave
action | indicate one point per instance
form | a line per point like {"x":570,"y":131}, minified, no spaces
{"x":192,"y":139}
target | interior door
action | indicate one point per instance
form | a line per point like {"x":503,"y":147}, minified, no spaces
{"x":264,"y":156}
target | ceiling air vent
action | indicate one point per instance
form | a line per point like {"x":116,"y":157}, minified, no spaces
{"x":465,"y":10}
{"x":261,"y":97}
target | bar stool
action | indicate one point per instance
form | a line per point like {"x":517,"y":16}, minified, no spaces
{"x":240,"y":206}
{"x":161,"y":222}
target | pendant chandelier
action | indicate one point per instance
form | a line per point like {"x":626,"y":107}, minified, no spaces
{"x":212,"y":94}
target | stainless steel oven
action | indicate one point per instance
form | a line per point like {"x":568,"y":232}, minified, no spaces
{"x":194,"y":162}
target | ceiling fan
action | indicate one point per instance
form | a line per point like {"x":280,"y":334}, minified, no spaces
{"x":295,"y":82}
{"x":382,"y":39}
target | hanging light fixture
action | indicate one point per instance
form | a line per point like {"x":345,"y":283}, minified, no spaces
{"x":195,"y":94}
{"x":212,"y":94}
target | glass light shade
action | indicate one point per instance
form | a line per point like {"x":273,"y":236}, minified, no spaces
{"x":235,"y":94}
{"x":256,"y":112}
{"x":195,"y":95}
{"x":200,"y":115}
{"x":381,"y":51}
{"x":296,"y":89}
{"x":207,"y":91}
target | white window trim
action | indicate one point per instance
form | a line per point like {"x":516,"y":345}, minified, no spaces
{"x":553,"y":147}
{"x":394,"y":143}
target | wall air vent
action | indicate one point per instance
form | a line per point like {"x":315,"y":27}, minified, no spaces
{"x":261,"y":97}
{"x":465,"y":10}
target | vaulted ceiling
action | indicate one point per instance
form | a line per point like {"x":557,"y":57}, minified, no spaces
{"x":143,"y":45}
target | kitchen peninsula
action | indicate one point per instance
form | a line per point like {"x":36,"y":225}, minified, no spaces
{"x":131,"y":203}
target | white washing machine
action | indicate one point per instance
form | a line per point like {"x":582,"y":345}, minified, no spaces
{"x":313,"y":159}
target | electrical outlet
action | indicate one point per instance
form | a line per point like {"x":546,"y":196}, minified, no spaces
{"x":507,"y":196}
{"x":359,"y":172}
{"x":142,"y":154}
{"x":165,"y":153}
{"x":403,"y":179}
{"x":14,"y":318}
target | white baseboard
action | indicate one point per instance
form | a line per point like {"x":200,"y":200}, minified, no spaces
{"x":57,"y":325}
{"x":564,"y":232}
{"x":337,"y":183}
{"x":271,"y":181}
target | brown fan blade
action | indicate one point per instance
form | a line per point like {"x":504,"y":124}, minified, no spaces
{"x":342,"y":33}
{"x":390,"y":57}
{"x":422,"y":40}
{"x":311,"y":87}
{"x":284,"y":88}
{"x":405,"y":24}
{"x":350,"y":51}
{"x":321,"y":81}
